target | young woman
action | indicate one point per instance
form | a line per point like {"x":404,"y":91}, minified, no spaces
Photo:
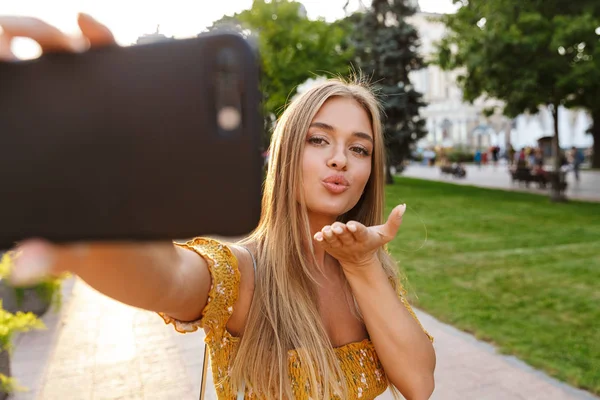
{"x":310,"y":304}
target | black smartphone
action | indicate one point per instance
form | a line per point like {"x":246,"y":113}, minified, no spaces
{"x":148,"y":142}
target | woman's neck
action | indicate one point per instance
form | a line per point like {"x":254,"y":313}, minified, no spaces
{"x":325,"y":262}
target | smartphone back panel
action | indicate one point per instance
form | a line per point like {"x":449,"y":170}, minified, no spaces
{"x":149,"y":142}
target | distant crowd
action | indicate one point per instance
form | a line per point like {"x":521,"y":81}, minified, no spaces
{"x":532,"y":158}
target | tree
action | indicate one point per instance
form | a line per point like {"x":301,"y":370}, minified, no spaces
{"x":578,"y":41}
{"x":292,"y":49}
{"x":508,"y":51}
{"x":386,"y":50}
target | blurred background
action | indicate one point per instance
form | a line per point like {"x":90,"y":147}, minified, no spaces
{"x":492,"y":122}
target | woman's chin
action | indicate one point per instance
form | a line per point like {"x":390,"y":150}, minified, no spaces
{"x":330,"y":211}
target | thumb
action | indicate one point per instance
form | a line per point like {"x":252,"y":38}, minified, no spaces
{"x":6,"y":53}
{"x":32,"y":263}
{"x":394,"y":221}
{"x":97,"y":33}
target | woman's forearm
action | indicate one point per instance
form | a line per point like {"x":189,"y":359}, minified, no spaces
{"x":152,"y":276}
{"x":404,"y":350}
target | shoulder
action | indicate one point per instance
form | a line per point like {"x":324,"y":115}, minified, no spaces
{"x":230,"y":283}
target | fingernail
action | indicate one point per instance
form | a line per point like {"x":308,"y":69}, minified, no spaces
{"x":402,"y":210}
{"x":318,"y":237}
{"x":86,"y":16}
{"x":78,"y":44}
{"x":29,"y":269}
{"x":337,"y":230}
{"x":351,"y":227}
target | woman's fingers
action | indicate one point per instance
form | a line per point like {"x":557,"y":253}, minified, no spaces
{"x":96,"y":33}
{"x":327,"y":237}
{"x":353,"y":233}
{"x":37,"y":259}
{"x":388,"y":231}
{"x":330,"y":237}
{"x":34,"y":260}
{"x":340,"y":234}
{"x":343,"y":234}
{"x":49,"y":38}
{"x":360,"y":232}
{"x":390,"y":228}
{"x":6,"y":53}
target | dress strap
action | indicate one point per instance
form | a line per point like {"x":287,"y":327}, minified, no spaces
{"x":241,"y":393}
{"x":253,"y":260}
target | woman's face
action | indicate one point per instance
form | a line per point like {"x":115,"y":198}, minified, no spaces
{"x":336,"y":162}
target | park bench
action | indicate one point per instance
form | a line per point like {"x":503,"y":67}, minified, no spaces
{"x":524,"y":175}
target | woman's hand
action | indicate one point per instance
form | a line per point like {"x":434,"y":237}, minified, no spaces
{"x":50,"y":39}
{"x":355,"y":245}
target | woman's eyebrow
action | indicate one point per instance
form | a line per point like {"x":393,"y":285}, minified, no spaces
{"x":330,"y":128}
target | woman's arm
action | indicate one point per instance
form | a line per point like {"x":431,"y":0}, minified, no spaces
{"x":403,"y":348}
{"x":405,"y":351}
{"x":154,"y":276}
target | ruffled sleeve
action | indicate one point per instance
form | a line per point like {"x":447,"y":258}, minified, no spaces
{"x":223,"y":268}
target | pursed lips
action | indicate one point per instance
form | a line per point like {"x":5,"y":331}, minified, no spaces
{"x":336,"y":184}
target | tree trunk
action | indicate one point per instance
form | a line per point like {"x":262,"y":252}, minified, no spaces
{"x":389,"y":179}
{"x":556,"y":192}
{"x":596,"y":137}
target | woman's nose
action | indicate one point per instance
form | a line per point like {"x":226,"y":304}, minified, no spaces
{"x":338,"y":159}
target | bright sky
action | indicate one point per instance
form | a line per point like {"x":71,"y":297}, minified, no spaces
{"x":129,"y":19}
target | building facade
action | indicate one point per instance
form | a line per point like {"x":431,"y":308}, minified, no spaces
{"x":452,"y":122}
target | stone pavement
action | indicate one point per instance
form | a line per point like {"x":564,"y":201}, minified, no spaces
{"x":96,"y":348}
{"x":587,"y":189}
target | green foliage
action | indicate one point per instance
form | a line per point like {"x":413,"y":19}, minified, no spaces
{"x":292,"y":48}
{"x":6,"y":264}
{"x":10,"y":385}
{"x":49,"y":291}
{"x":506,"y":54}
{"x":10,"y":324}
{"x":460,"y":156}
{"x":386,"y":50}
{"x":511,"y":268}
{"x":578,"y":40}
{"x":527,"y":53}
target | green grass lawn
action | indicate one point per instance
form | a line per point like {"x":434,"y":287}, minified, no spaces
{"x":511,"y":268}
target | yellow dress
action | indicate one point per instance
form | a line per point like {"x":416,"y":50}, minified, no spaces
{"x":364,"y":373}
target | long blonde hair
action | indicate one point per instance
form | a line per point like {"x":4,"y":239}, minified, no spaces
{"x":284,"y":314}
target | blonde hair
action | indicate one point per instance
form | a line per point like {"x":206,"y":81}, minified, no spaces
{"x":284,"y":314}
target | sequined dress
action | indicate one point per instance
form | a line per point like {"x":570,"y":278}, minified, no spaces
{"x":359,"y":363}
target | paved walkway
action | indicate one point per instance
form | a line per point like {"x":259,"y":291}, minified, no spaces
{"x":588,"y":188}
{"x":96,"y":348}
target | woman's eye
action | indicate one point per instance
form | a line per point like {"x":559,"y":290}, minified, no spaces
{"x":360,"y":150}
{"x":316,"y":140}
